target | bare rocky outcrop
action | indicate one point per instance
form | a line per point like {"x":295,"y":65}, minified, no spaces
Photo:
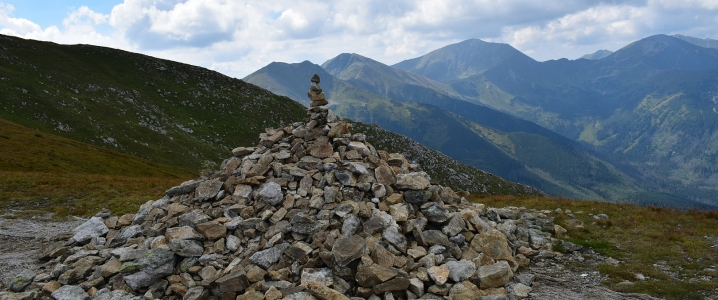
{"x":312,"y":212}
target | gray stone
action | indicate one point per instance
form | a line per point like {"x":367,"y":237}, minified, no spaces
{"x":233,"y":243}
{"x":456,"y":225}
{"x":268,"y":257}
{"x":458,"y":239}
{"x":322,"y":276}
{"x":350,"y":225}
{"x":208,"y":190}
{"x":270,"y":193}
{"x":31,"y":295}
{"x":196,"y":293}
{"x":509,"y":212}
{"x":435,"y":237}
{"x":184,"y":188}
{"x":521,"y":290}
{"x":435,"y":213}
{"x":183,"y":233}
{"x":125,"y":234}
{"x":346,"y":177}
{"x":357,"y":168}
{"x":143,"y":212}
{"x":494,"y":275}
{"x":187,"y":248}
{"x":22,"y":280}
{"x":300,"y":296}
{"x":416,"y":286}
{"x":280,"y":285}
{"x":412,"y":181}
{"x":461,"y":270}
{"x":154,"y":265}
{"x":93,"y":228}
{"x":437,"y":249}
{"x":348,"y":248}
{"x":417,"y":197}
{"x":392,"y":235}
{"x":303,"y":224}
{"x":493,"y":297}
{"x":309,"y":163}
{"x":192,"y":218}
{"x":70,"y":292}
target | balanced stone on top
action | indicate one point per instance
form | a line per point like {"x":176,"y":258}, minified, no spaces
{"x":315,"y":93}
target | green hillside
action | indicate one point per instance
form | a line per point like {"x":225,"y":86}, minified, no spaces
{"x":43,"y":172}
{"x":163,"y":111}
{"x":26,"y":150}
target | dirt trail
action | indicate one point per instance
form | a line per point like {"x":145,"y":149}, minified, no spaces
{"x":22,"y":239}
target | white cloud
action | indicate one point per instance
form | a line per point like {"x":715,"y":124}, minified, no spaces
{"x":14,"y":26}
{"x":612,"y":26}
{"x":238,"y":37}
{"x":80,"y":26}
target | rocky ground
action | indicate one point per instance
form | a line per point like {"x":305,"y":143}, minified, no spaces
{"x":22,"y":239}
{"x":554,"y":278}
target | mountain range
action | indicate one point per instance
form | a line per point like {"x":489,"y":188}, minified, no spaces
{"x":162,"y":113}
{"x":636,"y":126}
{"x":640,"y":122}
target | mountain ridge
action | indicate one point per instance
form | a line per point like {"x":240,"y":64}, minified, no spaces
{"x":632,"y":106}
{"x":496,"y":140}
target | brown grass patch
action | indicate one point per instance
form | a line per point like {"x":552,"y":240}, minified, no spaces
{"x":640,"y":237}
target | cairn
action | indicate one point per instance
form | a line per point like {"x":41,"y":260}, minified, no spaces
{"x":312,"y":212}
{"x":315,"y":93}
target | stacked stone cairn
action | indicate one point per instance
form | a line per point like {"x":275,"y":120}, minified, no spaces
{"x":315,"y":93}
{"x":312,"y":212}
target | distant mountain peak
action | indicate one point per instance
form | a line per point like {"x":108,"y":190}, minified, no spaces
{"x":597,"y":55}
{"x":461,"y":60}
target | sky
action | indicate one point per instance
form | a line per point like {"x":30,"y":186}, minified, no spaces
{"x":238,"y":37}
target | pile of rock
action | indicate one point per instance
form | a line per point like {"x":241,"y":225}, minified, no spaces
{"x":312,"y":212}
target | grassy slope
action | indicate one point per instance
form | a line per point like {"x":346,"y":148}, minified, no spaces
{"x":48,"y":173}
{"x":164,"y":111}
{"x":641,"y":237}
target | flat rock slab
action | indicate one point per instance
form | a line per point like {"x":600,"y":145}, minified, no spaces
{"x":347,"y":249}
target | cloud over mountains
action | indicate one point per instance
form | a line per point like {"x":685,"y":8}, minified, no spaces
{"x":237,"y":37}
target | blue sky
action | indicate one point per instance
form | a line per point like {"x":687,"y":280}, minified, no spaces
{"x":237,"y":37}
{"x":51,"y":12}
